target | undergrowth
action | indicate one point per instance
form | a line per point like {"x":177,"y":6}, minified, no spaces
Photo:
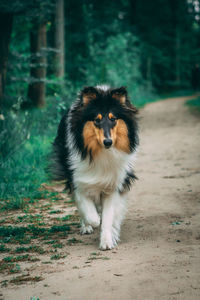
{"x":25,"y":145}
{"x":194,"y":103}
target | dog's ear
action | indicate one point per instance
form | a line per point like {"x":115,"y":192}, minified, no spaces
{"x":87,"y":94}
{"x":120,"y":94}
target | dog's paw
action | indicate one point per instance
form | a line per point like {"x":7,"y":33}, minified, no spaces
{"x":107,"y":242}
{"x":86,"y":229}
{"x":94,"y":221}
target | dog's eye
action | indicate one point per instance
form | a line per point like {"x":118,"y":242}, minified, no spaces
{"x":113,"y":119}
{"x":97,"y":120}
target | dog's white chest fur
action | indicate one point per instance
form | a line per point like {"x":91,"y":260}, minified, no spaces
{"x":104,"y":174}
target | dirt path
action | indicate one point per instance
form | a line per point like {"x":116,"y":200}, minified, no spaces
{"x":159,"y":255}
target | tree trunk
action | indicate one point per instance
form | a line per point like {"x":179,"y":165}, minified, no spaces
{"x":38,"y":42}
{"x":59,"y":60}
{"x":6,"y":21}
{"x":177,"y":57}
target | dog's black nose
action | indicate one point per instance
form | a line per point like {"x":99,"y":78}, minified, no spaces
{"x":107,"y":143}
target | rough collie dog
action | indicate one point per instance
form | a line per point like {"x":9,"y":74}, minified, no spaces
{"x":93,"y":153}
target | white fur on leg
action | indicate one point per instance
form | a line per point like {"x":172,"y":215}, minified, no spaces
{"x":120,"y":210}
{"x":109,"y":234}
{"x":85,"y":229}
{"x":87,"y":210}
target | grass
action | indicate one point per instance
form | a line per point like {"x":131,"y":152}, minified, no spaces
{"x":16,"y":233}
{"x":73,"y":241}
{"x":194,"y":104}
{"x":23,"y":174}
{"x":36,"y":249}
{"x":57,"y":256}
{"x":25,"y":144}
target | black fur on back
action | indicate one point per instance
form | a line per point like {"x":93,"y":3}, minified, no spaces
{"x":60,"y":158}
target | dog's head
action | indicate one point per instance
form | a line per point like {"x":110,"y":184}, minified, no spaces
{"x":108,"y":119}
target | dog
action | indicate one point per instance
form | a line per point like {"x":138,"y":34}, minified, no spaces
{"x":94,"y":152}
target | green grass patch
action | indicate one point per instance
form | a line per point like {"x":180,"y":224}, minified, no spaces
{"x":29,"y":218}
{"x":25,"y":143}
{"x":11,"y":234}
{"x":22,"y":174}
{"x":3,"y":248}
{"x":8,"y":268}
{"x":36,"y":249}
{"x":73,"y":241}
{"x":16,"y":258}
{"x":58,"y":245}
{"x":194,"y":104}
{"x":58,"y":211}
{"x":57,"y":256}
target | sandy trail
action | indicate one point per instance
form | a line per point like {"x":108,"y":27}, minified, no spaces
{"x":159,"y":253}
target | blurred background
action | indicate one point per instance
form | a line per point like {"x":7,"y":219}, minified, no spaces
{"x":50,"y":49}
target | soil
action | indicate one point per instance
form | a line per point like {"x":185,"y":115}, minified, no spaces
{"x":159,"y":254}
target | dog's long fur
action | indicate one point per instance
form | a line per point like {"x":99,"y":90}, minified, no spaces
{"x":93,"y":152}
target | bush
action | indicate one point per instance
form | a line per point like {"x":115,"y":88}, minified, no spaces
{"x":26,"y":138}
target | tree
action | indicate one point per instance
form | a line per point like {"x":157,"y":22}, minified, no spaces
{"x":6,"y":21}
{"x":38,"y":43}
{"x":59,"y":42}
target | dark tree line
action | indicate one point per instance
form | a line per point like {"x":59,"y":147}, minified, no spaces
{"x":147,"y":44}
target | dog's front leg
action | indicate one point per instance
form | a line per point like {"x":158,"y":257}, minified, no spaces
{"x":88,"y":212}
{"x":107,"y":239}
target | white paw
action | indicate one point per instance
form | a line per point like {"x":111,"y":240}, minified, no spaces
{"x":94,"y":221}
{"x":107,"y":242}
{"x":86,"y":229}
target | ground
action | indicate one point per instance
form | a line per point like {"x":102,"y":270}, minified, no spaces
{"x":159,"y":254}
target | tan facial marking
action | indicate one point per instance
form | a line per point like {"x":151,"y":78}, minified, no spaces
{"x":87,"y":97}
{"x":121,"y":98}
{"x":119,"y":135}
{"x":93,"y":138}
{"x":99,"y":117}
{"x":110,"y":116}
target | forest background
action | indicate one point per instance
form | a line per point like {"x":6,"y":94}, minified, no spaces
{"x":50,"y":49}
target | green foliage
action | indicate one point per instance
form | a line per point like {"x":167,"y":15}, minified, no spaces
{"x":57,"y":256}
{"x":26,"y":140}
{"x":194,"y":103}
